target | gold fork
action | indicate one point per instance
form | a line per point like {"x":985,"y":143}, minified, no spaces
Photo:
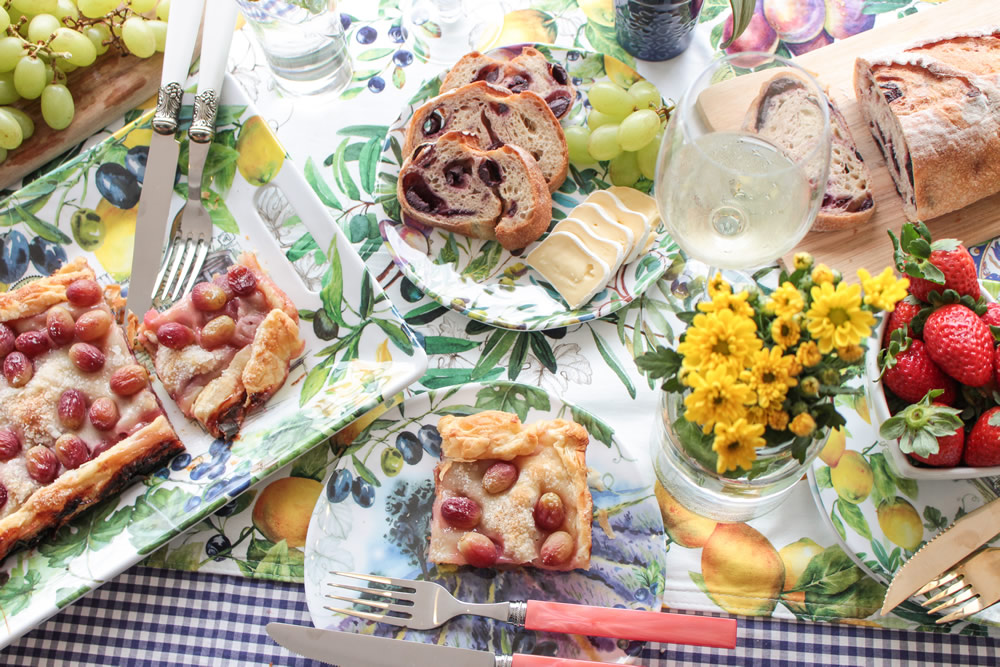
{"x":972,"y":586}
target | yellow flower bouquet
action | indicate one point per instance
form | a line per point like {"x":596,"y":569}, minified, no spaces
{"x":757,"y":370}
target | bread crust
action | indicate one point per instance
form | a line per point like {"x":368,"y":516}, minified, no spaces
{"x":934,"y":110}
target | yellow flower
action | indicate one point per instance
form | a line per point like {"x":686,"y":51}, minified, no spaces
{"x":883,"y":291}
{"x":795,"y":367}
{"x":851,"y":353}
{"x":785,"y":331}
{"x":717,"y":285}
{"x":803,"y":424}
{"x":727,"y":301}
{"x":716,"y":396}
{"x":770,"y":376}
{"x":757,"y":415}
{"x":786,"y":301}
{"x":777,"y":419}
{"x":836,"y":318}
{"x":822,"y":274}
{"x":810,"y":386}
{"x":721,"y":338}
{"x":736,"y":445}
{"x":808,"y":354}
{"x":802,"y":260}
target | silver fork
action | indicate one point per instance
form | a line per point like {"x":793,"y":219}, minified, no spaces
{"x":189,"y":246}
{"x":971,"y":586}
{"x":423,"y":605}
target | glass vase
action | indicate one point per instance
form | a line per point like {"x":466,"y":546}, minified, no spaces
{"x":690,"y":476}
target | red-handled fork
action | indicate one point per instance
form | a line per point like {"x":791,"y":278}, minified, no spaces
{"x":422,"y":605}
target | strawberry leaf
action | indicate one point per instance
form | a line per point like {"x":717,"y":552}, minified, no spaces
{"x":995,"y":330}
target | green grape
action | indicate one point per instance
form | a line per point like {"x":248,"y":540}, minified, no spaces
{"x":138,"y":37}
{"x":57,"y":106}
{"x":29,"y":77}
{"x":24,"y":120}
{"x":42,"y":27}
{"x":647,"y":156}
{"x":8,"y":94}
{"x":35,"y":6}
{"x":595,"y":119}
{"x":10,"y":131}
{"x":142,"y":6}
{"x":603,"y":144}
{"x":159,"y":29}
{"x":644,"y":94}
{"x":577,"y":138}
{"x":163,"y":10}
{"x":624,"y":170}
{"x":11,"y":51}
{"x":80,"y":49}
{"x":98,"y":34}
{"x":4,"y":20}
{"x":66,"y":9}
{"x":93,"y":9}
{"x":64,"y":65}
{"x":638,"y":129}
{"x":610,"y":98}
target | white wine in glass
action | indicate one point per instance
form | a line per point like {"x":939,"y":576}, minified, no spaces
{"x":733,"y":199}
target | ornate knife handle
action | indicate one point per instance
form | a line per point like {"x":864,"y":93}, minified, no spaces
{"x":206,"y":107}
{"x":168,"y":108}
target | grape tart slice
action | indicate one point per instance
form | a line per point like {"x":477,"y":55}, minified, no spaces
{"x":78,"y":420}
{"x":511,"y":494}
{"x":225,"y":348}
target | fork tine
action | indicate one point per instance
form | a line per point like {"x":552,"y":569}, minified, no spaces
{"x":940,"y":581}
{"x":946,"y":593}
{"x":388,"y":581}
{"x":393,"y":595}
{"x":201,"y":251}
{"x":174,"y":272}
{"x":402,"y":609}
{"x":378,"y":618}
{"x":969,"y":609}
{"x":963,"y":596}
{"x":191,"y":249}
{"x":171,"y":249}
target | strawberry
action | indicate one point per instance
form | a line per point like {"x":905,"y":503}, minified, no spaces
{"x":903,"y":313}
{"x":992,"y":314}
{"x":960,"y":344}
{"x":950,"y":448}
{"x":982,"y":447}
{"x":934,"y":267}
{"x":914,"y":374}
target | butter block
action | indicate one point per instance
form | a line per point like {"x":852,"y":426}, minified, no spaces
{"x":610,"y":252}
{"x":634,"y":220}
{"x":570,"y":267}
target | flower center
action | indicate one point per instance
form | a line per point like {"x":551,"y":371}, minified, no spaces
{"x":767,"y":377}
{"x":721,"y":347}
{"x":838,"y":316}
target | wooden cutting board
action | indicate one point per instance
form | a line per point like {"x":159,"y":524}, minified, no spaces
{"x":869,"y":246}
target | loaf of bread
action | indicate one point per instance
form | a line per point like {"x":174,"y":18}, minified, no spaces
{"x":495,"y":116}
{"x":781,"y":114}
{"x":933,"y":109}
{"x":489,"y":194}
{"x":517,"y":70}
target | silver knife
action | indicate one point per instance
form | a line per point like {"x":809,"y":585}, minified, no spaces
{"x":950,"y":546}
{"x":348,"y":649}
{"x":161,"y":163}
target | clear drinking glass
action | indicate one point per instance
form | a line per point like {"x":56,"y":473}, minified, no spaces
{"x":458,"y":26}
{"x":730,"y":197}
{"x":303,"y":42}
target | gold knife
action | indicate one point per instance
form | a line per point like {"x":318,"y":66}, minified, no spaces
{"x":951,"y":546}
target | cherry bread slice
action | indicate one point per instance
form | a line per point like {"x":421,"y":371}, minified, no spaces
{"x":224,"y":349}
{"x":780,"y":115}
{"x":511,"y":494}
{"x":517,"y":72}
{"x":78,"y":419}
{"x":496,"y":194}
{"x":495,"y":116}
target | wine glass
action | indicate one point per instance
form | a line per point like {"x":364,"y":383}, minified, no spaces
{"x":732,"y":197}
{"x":459,"y":25}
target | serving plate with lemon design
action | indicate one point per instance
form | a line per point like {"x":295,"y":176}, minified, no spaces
{"x":357,"y":350}
{"x":480,"y":279}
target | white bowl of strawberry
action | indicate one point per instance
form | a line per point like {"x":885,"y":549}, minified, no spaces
{"x":933,"y":379}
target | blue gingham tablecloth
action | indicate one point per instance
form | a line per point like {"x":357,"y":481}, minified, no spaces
{"x":151,"y":616}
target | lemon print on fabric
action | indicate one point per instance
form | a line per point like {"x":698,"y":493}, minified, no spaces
{"x":526,"y":26}
{"x":601,"y":12}
{"x":619,"y":72}
{"x":283,"y":508}
{"x":682,"y":525}
{"x":796,"y":557}
{"x":900,"y":523}
{"x":261,"y":156}
{"x":115,"y":253}
{"x":742,"y":570}
{"x":834,"y":447}
{"x":852,"y":477}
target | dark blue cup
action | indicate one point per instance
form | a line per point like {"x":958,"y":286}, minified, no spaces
{"x":655,"y":29}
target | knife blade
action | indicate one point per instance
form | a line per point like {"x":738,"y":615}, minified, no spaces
{"x":348,"y":649}
{"x":161,"y":162}
{"x":950,"y":546}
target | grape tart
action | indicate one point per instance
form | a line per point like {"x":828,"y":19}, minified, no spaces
{"x":511,"y":494}
{"x":78,"y":420}
{"x":225,"y":348}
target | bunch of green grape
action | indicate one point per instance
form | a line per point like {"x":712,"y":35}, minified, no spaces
{"x":41,"y":41}
{"x":623,"y":127}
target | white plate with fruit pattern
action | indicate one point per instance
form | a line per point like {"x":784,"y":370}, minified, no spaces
{"x":373,"y":516}
{"x":479,"y":278}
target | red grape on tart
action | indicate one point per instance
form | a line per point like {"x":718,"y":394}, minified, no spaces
{"x":225,"y":348}
{"x":78,"y":420}
{"x":508,"y":493}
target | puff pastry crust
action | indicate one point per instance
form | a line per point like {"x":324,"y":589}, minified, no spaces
{"x":106,"y":460}
{"x":549,"y":458}
{"x":219,"y":386}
